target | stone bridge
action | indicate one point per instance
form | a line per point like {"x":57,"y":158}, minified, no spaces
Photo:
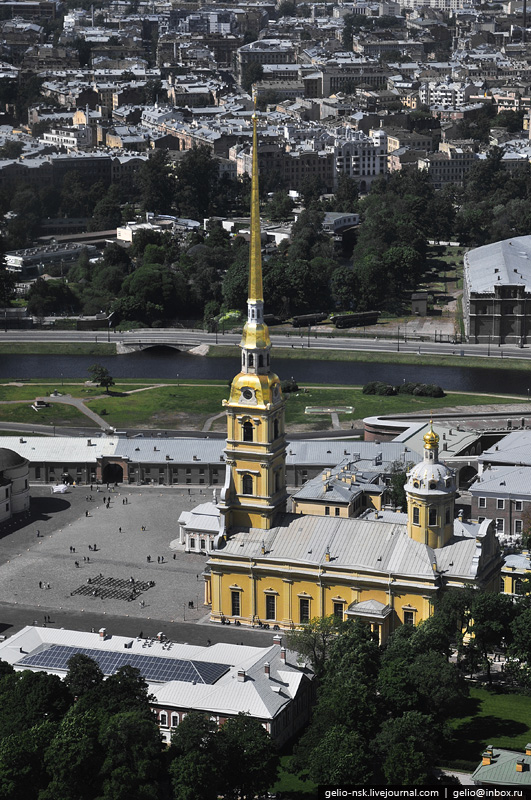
{"x":135,"y":347}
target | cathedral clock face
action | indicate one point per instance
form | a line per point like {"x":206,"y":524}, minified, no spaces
{"x":247,"y":395}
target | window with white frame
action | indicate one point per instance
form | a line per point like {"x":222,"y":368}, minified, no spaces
{"x":500,"y":525}
{"x":482,"y":502}
{"x":500,"y":503}
{"x":518,"y":505}
{"x":518,"y":527}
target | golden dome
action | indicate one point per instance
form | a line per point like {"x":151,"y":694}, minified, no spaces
{"x":431,"y":439}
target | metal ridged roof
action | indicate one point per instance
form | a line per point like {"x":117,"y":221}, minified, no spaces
{"x":515,"y":448}
{"x":500,"y":481}
{"x":500,"y":263}
{"x":502,"y":770}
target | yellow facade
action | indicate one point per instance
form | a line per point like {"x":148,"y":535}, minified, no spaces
{"x":298,"y":595}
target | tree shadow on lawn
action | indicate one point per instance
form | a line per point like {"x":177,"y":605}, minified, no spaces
{"x":471,"y":737}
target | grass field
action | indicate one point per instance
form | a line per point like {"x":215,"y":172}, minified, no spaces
{"x":59,"y":348}
{"x":185,"y":405}
{"x":489,"y":717}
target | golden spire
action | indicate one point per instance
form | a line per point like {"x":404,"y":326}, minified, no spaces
{"x":255,"y":267}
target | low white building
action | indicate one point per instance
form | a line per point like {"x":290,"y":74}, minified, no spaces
{"x":222,"y":680}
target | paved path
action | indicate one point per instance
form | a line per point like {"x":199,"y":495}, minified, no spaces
{"x":68,"y":400}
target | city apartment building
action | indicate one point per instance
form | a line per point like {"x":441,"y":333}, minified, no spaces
{"x":265,"y":51}
{"x":449,"y":165}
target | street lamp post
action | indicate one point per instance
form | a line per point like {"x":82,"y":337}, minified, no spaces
{"x":309,"y":329}
{"x":398,"y":340}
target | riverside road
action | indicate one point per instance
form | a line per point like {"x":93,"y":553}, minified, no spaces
{"x":299,"y":339}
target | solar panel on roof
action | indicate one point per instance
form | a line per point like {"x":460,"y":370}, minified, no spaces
{"x":152,"y":668}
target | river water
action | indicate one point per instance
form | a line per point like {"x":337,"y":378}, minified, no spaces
{"x":162,"y":363}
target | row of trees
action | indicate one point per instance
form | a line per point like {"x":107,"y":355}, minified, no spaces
{"x":382,"y":713}
{"x":86,"y":738}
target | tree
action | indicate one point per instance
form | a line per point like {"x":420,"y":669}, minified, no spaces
{"x":195,"y":760}
{"x":156,"y":183}
{"x":22,"y":771}
{"x":398,"y":480}
{"x":520,"y":648}
{"x":28,"y":698}
{"x":73,"y":758}
{"x":131,"y":768}
{"x":314,"y":640}
{"x":343,"y":757}
{"x":247,"y":757}
{"x":251,"y":73}
{"x":407,"y":746}
{"x":280,"y":206}
{"x":101,"y":376}
{"x":197,"y":184}
{"x":83,"y":674}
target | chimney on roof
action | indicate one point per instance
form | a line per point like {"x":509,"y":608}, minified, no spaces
{"x":487,"y":757}
{"x":521,"y":765}
{"x":528,"y":749}
{"x":241,"y":675}
{"x":277,"y":639}
{"x":267,"y":669}
{"x":103,"y":633}
{"x":327,"y":554}
{"x":283,"y":654}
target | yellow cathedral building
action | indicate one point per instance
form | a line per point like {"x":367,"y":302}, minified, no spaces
{"x":283,"y":569}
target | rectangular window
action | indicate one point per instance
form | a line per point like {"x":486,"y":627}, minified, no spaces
{"x":416,"y":515}
{"x":482,"y":502}
{"x":500,"y":525}
{"x":203,"y":544}
{"x":409,"y":617}
{"x":518,"y":526}
{"x":500,"y":503}
{"x":338,"y":610}
{"x":480,"y":519}
{"x":327,"y":511}
{"x":235,"y":603}
{"x":271,"y":611}
{"x":518,"y":505}
{"x":337,"y":510}
{"x":304,"y":609}
{"x":432,"y":520}
{"x":192,"y":544}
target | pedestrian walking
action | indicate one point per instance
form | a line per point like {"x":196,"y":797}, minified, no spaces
{"x":38,"y":534}
{"x":148,"y":559}
{"x":86,"y":513}
{"x":76,"y":563}
{"x":73,"y":549}
{"x":158,"y":559}
{"x":88,"y":559}
{"x":40,"y":584}
{"x":119,"y":530}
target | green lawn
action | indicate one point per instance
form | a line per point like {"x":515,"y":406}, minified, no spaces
{"x":59,"y":348}
{"x":187,"y":406}
{"x":291,"y":785}
{"x":184,"y":406}
{"x":57,"y":414}
{"x":503,"y":720}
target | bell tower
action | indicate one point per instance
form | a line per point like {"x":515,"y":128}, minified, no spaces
{"x":255,"y":482}
{"x":430,"y":492}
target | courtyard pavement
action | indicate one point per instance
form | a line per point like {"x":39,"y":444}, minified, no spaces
{"x":29,"y":562}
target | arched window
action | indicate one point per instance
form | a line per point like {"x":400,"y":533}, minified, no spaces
{"x":260,"y":361}
{"x":247,"y":484}
{"x":275,"y":429}
{"x":247,"y":431}
{"x":163,"y":719}
{"x":251,"y":360}
{"x":174,"y":720}
{"x":243,"y":358}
